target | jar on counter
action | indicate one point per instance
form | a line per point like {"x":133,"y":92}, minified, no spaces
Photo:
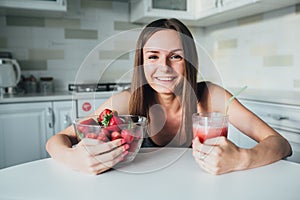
{"x":30,"y":84}
{"x":46,"y":85}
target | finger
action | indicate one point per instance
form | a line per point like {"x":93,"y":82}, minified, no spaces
{"x":89,"y":142}
{"x":101,"y":148}
{"x":122,"y":150}
{"x":102,"y":167}
{"x":197,"y":144}
{"x":215,"y":141}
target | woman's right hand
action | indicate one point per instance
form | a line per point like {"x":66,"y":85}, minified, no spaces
{"x":94,"y":157}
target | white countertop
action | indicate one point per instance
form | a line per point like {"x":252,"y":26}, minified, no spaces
{"x":166,"y":173}
{"x":273,"y":96}
{"x":56,"y":96}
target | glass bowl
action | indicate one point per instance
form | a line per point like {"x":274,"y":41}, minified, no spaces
{"x":131,"y":128}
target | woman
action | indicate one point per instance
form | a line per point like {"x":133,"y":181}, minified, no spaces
{"x":164,"y":88}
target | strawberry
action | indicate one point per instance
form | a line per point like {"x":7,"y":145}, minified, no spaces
{"x":115,"y":135}
{"x":104,"y":117}
{"x":82,"y":126}
{"x":110,"y":120}
{"x":105,"y":132}
{"x":91,"y":135}
{"x":102,"y":137}
{"x":127,"y":135}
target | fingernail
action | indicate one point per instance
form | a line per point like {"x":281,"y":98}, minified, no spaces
{"x":126,"y":146}
{"x":125,"y":153}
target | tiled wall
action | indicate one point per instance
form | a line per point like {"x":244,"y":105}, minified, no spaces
{"x":57,"y":47}
{"x":261,"y":51}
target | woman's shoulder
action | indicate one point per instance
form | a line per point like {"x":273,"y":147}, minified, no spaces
{"x":208,"y":87}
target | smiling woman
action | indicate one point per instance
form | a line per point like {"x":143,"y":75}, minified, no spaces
{"x":164,"y":89}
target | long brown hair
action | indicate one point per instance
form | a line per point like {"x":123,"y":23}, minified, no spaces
{"x":143,"y":96}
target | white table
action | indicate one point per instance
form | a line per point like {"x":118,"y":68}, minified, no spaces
{"x":166,"y":173}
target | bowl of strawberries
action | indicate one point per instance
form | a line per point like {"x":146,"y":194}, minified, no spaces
{"x":109,"y":126}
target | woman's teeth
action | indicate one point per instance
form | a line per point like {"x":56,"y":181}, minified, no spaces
{"x":165,"y":78}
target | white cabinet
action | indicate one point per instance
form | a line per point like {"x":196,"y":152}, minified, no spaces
{"x":26,"y":127}
{"x":64,"y":114}
{"x":201,"y":12}
{"x":144,"y":11}
{"x":209,"y":12}
{"x":283,"y":118}
{"x":24,"y":132}
{"x":37,"y":8}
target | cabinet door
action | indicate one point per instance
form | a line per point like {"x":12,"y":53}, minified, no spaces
{"x":206,"y":8}
{"x":50,"y":5}
{"x":148,"y":10}
{"x":239,"y":138}
{"x":24,"y":132}
{"x":64,"y":114}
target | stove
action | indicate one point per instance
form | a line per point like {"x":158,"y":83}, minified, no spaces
{"x":89,"y":96}
{"x":98,"y":87}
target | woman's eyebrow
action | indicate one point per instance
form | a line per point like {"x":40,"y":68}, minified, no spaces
{"x":157,"y":51}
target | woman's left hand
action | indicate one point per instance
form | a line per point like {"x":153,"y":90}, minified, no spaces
{"x":216,"y":155}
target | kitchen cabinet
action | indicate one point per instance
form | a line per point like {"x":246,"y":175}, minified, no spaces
{"x":64,"y":114}
{"x":25,"y":128}
{"x":148,"y":10}
{"x":283,"y":118}
{"x":49,"y":8}
{"x":202,"y":13}
{"x":24,"y":131}
{"x":213,"y":12}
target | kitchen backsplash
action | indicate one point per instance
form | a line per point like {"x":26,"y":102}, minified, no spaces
{"x":57,"y":47}
{"x":260,"y":51}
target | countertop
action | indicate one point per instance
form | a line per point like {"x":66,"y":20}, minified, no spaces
{"x":55,"y":96}
{"x":273,"y":96}
{"x":166,"y":173}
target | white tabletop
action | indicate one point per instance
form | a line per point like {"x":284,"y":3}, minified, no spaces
{"x":166,"y":173}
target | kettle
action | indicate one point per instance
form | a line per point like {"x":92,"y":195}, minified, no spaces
{"x":10,"y":72}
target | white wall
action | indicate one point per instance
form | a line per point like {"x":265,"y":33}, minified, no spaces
{"x":262,"y":51}
{"x":58,"y":47}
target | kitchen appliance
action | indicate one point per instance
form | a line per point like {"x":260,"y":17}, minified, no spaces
{"x":10,"y":73}
{"x":91,"y":95}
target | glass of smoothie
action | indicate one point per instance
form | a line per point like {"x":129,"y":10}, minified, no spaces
{"x":209,"y":125}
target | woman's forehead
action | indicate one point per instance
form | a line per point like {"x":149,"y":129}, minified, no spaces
{"x":164,"y":40}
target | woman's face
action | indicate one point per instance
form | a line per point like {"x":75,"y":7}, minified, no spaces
{"x":163,"y":61}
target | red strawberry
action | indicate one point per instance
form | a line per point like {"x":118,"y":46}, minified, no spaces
{"x":102,"y":137}
{"x":104,"y":117}
{"x":115,"y":135}
{"x":108,"y":118}
{"x":114,"y":120}
{"x":127,"y":135}
{"x":91,"y":135}
{"x":82,"y":126}
{"x":105,"y":132}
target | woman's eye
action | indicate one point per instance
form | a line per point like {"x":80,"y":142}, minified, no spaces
{"x":176,"y":57}
{"x":152,"y":57}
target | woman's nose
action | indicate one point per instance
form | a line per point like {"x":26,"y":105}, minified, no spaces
{"x":164,"y":64}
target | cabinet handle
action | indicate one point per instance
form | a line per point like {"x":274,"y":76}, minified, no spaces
{"x":278,"y":117}
{"x":51,"y":118}
{"x":67,"y":121}
{"x":216,"y":3}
